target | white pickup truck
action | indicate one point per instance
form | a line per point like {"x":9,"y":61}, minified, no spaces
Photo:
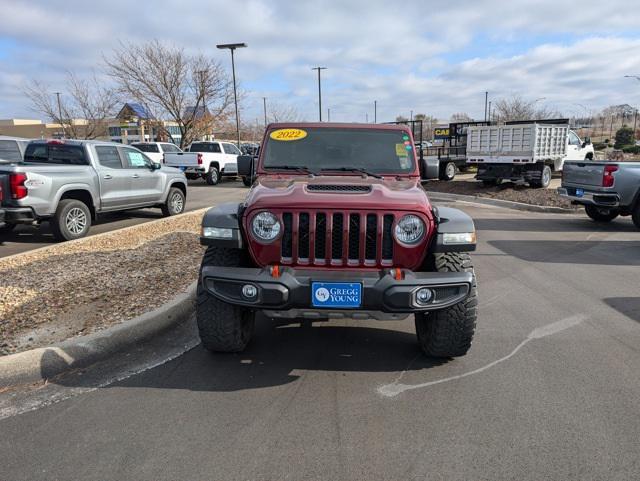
{"x":527,"y":151}
{"x":209,"y":160}
{"x":156,"y":150}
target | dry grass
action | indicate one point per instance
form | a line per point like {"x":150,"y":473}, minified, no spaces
{"x":79,"y":287}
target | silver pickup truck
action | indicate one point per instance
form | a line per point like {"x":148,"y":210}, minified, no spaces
{"x":606,"y":189}
{"x":70,"y":182}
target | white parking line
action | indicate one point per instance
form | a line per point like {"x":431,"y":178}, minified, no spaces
{"x":395,"y":388}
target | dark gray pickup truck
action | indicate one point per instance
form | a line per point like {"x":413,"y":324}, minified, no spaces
{"x":606,"y":189}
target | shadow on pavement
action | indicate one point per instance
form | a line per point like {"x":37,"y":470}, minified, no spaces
{"x":555,"y":224}
{"x":628,"y":306}
{"x":277,"y":355}
{"x":612,"y":253}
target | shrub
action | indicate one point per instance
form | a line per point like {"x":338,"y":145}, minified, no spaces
{"x":624,"y":136}
{"x":631,"y":149}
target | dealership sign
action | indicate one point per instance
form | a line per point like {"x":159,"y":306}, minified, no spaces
{"x":440,"y":133}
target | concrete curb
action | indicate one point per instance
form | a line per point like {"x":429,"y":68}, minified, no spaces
{"x":500,"y":203}
{"x":43,"y":363}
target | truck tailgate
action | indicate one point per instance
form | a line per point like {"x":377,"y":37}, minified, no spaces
{"x":583,"y":173}
{"x":181,"y":159}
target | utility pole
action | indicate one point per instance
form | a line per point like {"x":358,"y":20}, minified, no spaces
{"x":489,"y":112}
{"x":375,"y":111}
{"x":411,"y":115}
{"x":486,"y":99}
{"x":635,"y":119}
{"x":233,"y":47}
{"x":328,"y":115}
{"x":319,"y":91}
{"x":264,"y":105}
{"x":64,"y":132}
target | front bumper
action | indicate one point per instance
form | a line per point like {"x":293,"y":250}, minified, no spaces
{"x":602,"y":199}
{"x":381,"y":292}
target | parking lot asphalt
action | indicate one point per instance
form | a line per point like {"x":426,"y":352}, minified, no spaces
{"x":199,"y":195}
{"x":549,"y":390}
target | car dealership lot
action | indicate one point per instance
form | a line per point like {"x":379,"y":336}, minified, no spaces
{"x":199,"y":195}
{"x":549,"y":389}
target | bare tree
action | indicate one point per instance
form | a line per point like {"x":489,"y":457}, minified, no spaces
{"x":192,"y":90}
{"x":283,"y":113}
{"x":517,"y":108}
{"x":461,"y":117}
{"x":84,"y":107}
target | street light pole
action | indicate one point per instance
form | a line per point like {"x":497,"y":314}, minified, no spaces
{"x":328,"y":115}
{"x":486,"y":99}
{"x":319,"y":91}
{"x":264,"y":104}
{"x":232,"y":47}
{"x":64,"y":132}
{"x":375,"y":111}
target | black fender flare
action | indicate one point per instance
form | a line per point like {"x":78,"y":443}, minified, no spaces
{"x":224,"y":216}
{"x":452,"y":221}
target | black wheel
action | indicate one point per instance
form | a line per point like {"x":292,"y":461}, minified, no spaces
{"x":174,"y":204}
{"x":213,"y":176}
{"x":635,"y":215}
{"x":223,"y":327}
{"x":601,"y":214}
{"x":72,"y":220}
{"x":448,"y":171}
{"x":246,"y":181}
{"x":449,"y":332}
{"x":545,"y":178}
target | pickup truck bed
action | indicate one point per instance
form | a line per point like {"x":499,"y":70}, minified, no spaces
{"x":606,"y":189}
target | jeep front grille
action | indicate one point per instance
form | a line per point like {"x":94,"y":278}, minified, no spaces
{"x":337,"y":238}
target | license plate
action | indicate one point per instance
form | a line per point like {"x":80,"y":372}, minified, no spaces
{"x":579,"y":192}
{"x":336,"y":294}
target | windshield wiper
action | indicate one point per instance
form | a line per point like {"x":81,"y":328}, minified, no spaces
{"x":353,"y":169}
{"x":303,"y":169}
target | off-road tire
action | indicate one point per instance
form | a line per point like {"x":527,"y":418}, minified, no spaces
{"x":223,"y":327}
{"x":175,"y":203}
{"x":246,"y":181}
{"x":61,"y":228}
{"x":635,"y":215}
{"x":545,"y":178}
{"x":213,"y":176}
{"x":449,"y":332}
{"x":600,"y":214}
{"x":448,"y":171}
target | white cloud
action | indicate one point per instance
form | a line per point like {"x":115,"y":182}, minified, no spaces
{"x":400,"y":54}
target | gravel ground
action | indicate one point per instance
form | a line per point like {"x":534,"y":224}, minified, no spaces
{"x":505,"y":191}
{"x":76,"y":288}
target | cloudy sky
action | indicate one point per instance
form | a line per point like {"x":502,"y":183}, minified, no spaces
{"x":432,"y":57}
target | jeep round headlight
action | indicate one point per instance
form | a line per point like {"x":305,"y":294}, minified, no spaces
{"x":410,"y":229}
{"x":265,"y":226}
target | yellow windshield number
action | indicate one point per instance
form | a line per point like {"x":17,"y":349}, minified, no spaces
{"x":288,"y":135}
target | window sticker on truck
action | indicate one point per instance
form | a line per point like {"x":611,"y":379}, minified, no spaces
{"x":401,"y":151}
{"x":288,"y":134}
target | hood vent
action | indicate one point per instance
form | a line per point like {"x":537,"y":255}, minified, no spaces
{"x":345,"y":188}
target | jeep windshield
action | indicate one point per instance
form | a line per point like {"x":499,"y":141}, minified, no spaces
{"x":375,"y":151}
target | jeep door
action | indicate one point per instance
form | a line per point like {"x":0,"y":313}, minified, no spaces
{"x":113,"y":177}
{"x":146,"y":183}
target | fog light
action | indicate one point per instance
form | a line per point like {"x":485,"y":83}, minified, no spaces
{"x":424,"y":295}
{"x":249,"y":291}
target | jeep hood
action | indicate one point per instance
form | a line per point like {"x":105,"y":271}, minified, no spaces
{"x":348,"y":192}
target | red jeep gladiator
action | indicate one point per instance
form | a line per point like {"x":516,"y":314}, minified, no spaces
{"x":337,"y":225}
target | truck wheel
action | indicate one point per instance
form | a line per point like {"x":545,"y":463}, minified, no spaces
{"x":223,"y":327}
{"x":449,"y":332}
{"x":174,"y":204}
{"x":213,"y":176}
{"x":600,"y":214}
{"x":72,"y":220}
{"x":448,"y":171}
{"x":246,"y":181}
{"x":545,"y":178}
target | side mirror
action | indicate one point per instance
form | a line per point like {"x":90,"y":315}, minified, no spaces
{"x":245,"y":166}
{"x":587,"y":141}
{"x":155,"y":166}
